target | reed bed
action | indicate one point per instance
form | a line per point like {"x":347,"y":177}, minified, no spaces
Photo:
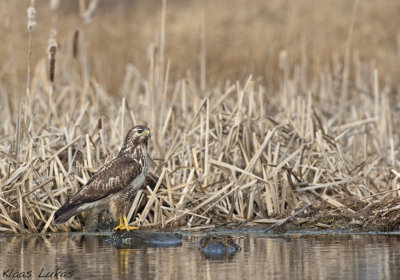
{"x":241,"y":152}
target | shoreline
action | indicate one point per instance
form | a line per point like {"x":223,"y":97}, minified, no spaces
{"x":380,"y":217}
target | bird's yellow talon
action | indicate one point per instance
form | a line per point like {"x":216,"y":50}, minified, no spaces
{"x":123,"y":225}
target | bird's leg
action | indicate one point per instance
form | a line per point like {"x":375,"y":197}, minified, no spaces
{"x":120,"y":226}
{"x":127,"y":227}
{"x":123,"y":224}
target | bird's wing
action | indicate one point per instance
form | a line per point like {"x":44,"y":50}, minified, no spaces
{"x":110,"y":179}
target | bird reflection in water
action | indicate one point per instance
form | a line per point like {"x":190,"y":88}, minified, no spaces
{"x":126,"y":257}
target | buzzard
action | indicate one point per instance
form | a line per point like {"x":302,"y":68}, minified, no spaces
{"x":115,"y":183}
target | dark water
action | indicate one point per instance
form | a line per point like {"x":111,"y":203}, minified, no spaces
{"x":296,"y":256}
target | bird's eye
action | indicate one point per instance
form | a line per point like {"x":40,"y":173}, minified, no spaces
{"x":140,"y":131}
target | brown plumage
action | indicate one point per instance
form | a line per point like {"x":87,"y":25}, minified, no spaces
{"x":115,"y":183}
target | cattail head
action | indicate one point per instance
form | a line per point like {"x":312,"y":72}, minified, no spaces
{"x":99,"y":124}
{"x":31,"y":11}
{"x":52,"y":50}
{"x":75,"y":44}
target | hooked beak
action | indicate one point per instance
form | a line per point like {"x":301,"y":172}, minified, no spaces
{"x":148,"y":134}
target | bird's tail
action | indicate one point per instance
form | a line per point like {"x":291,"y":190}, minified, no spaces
{"x":65,"y":212}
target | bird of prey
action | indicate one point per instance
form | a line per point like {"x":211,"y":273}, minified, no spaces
{"x":115,"y":183}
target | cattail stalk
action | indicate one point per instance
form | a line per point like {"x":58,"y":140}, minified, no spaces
{"x":31,"y":26}
{"x":52,"y":51}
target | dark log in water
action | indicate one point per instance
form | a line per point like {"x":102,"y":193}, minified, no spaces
{"x":139,"y":239}
{"x":218,"y":246}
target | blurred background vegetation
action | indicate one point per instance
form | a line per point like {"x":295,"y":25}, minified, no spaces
{"x":242,"y":37}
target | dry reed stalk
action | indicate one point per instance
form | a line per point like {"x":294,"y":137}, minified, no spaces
{"x":345,"y":73}
{"x":162,"y":43}
{"x":153,"y":196}
{"x":87,"y":14}
{"x":203,"y":49}
{"x":135,"y":205}
{"x":31,"y":26}
{"x":206,"y":152}
{"x":169,"y":189}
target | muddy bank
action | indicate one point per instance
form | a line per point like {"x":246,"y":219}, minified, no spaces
{"x":346,"y":214}
{"x":341,"y":214}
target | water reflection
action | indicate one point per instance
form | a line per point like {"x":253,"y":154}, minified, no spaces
{"x":294,"y":257}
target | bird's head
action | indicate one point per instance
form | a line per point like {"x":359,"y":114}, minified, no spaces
{"x":136,"y":136}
